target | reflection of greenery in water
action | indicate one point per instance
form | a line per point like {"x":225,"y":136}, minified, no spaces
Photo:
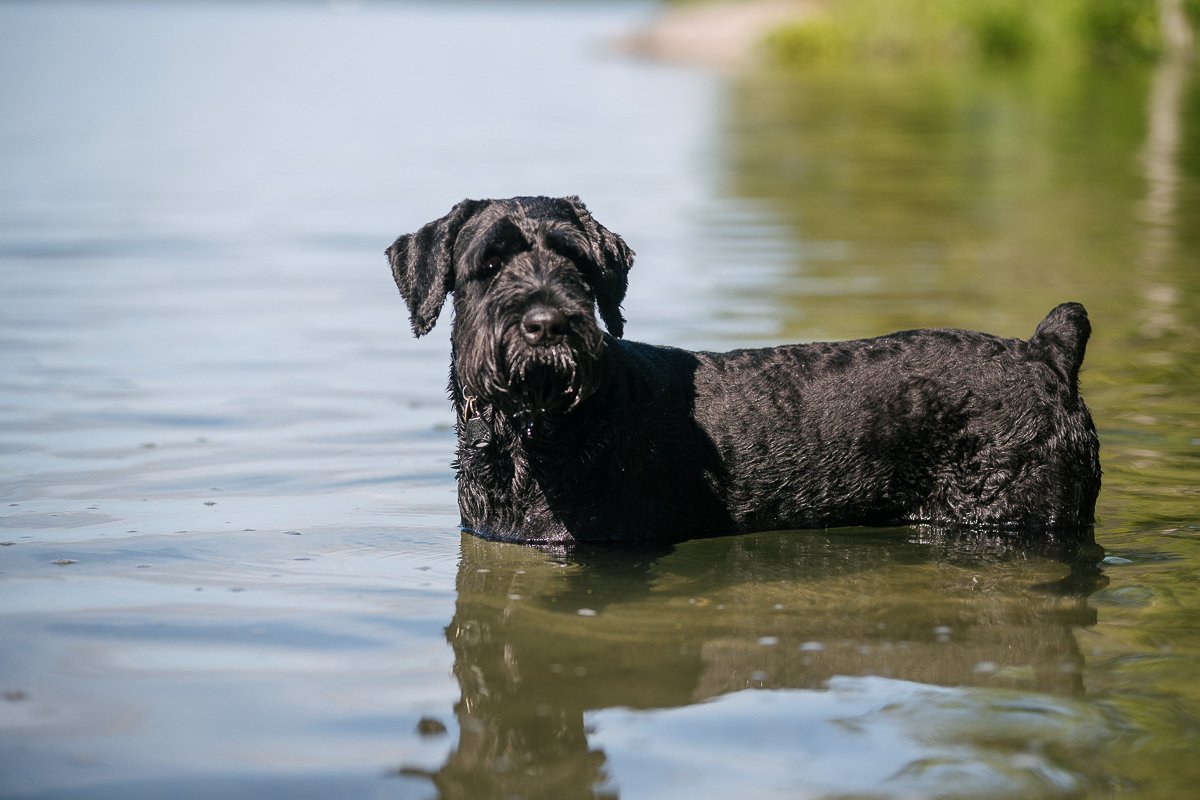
{"x":946,"y":194}
{"x":979,"y":198}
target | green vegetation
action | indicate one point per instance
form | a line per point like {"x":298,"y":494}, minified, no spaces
{"x":985,"y":30}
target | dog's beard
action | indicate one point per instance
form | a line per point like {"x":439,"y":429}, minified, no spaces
{"x":524,"y":380}
{"x":547,"y":382}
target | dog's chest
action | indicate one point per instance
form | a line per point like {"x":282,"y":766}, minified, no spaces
{"x":569,"y":491}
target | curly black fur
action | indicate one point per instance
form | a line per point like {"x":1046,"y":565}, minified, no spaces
{"x":568,"y":433}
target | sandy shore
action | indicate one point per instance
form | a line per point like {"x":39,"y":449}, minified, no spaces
{"x":717,"y":33}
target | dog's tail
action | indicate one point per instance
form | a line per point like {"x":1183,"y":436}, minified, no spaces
{"x":1061,"y":339}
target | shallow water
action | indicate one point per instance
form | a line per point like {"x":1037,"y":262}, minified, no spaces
{"x":230,"y":557}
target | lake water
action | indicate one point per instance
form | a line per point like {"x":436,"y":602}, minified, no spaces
{"x":230,"y":560}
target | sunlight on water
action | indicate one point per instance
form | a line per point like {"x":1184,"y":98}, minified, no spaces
{"x":860,"y":736}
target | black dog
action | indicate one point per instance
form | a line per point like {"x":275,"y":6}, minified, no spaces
{"x":567,"y":433}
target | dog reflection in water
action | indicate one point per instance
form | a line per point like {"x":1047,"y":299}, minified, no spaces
{"x":770,"y":611}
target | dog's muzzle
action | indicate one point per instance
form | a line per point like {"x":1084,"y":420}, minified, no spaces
{"x":551,"y":361}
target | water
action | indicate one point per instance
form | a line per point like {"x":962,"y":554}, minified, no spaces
{"x":230,"y":559}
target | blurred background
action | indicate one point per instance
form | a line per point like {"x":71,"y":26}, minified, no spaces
{"x":228,"y":532}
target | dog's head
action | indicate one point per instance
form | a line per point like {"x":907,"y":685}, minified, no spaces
{"x":528,"y":276}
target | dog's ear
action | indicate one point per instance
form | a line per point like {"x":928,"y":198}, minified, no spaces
{"x":612,"y":259}
{"x":423,"y":265}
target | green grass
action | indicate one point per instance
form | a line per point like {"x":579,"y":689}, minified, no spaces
{"x":983,"y":30}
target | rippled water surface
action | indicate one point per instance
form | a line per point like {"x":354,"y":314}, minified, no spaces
{"x":229,"y":555}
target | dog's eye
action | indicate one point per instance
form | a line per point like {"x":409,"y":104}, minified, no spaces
{"x":490,"y":264}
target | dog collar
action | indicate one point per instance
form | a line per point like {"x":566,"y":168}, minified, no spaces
{"x":476,"y":429}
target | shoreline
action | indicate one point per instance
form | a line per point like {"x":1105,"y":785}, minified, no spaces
{"x":715,"y":34}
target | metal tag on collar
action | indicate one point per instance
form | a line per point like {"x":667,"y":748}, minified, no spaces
{"x":475,"y":429}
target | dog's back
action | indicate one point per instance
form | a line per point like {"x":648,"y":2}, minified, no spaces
{"x":940,"y":426}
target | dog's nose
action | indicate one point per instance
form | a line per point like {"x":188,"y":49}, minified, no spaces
{"x":544,"y":326}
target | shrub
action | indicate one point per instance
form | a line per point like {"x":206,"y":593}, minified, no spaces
{"x":987,"y":30}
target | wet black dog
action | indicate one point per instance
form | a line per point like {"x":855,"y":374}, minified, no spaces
{"x":567,"y":433}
